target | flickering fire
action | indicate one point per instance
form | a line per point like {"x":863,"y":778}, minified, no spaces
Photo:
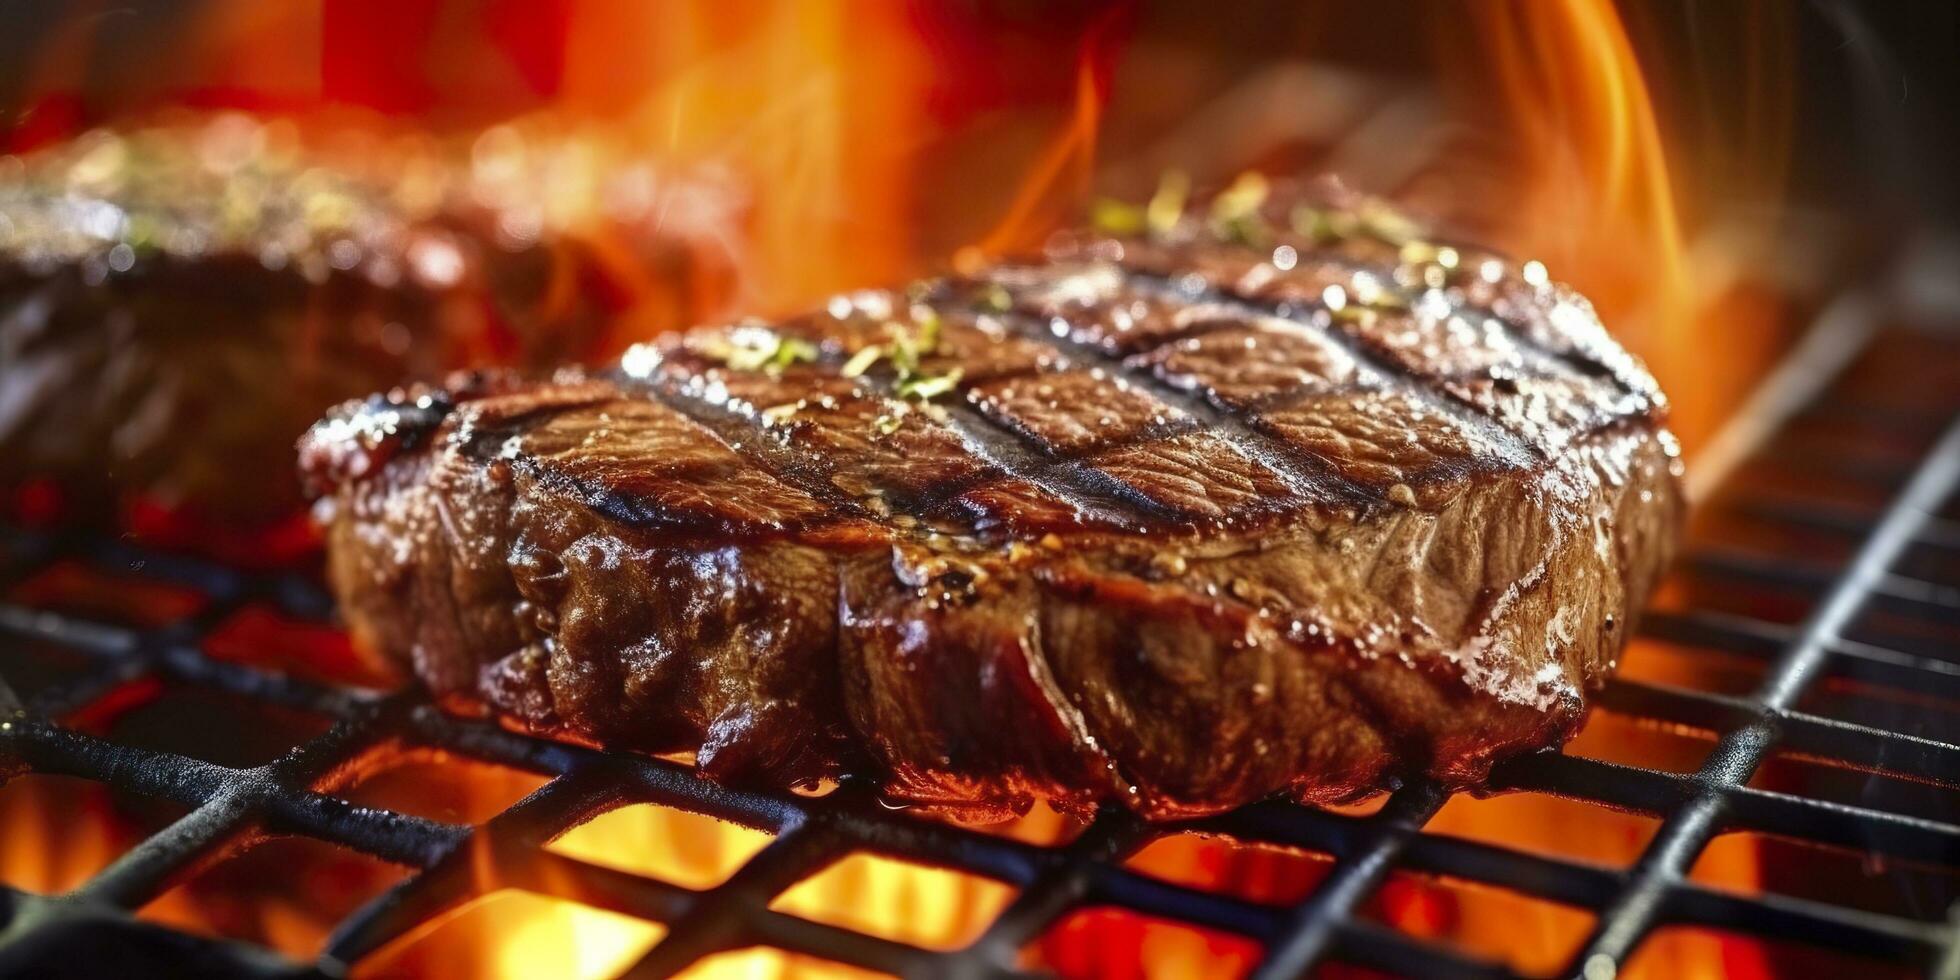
{"x":803,"y":107}
{"x":783,"y":136}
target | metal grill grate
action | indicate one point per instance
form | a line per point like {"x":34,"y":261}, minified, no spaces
{"x":1907,"y":571}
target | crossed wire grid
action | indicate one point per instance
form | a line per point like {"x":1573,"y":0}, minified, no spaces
{"x":454,"y":863}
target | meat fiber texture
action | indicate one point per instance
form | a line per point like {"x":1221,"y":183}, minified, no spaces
{"x":1181,"y":519}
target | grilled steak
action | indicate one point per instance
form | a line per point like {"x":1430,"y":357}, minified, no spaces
{"x":1205,"y":515}
{"x":178,"y":303}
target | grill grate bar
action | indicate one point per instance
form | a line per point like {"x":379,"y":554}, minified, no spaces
{"x":1853,"y":827}
{"x":452,"y":865}
{"x":1379,"y":947}
{"x":830,"y":942}
{"x":1594,"y":781}
{"x":79,"y":636}
{"x":1063,"y":885}
{"x":1774,"y":570}
{"x":194,"y":841}
{"x":1127,"y":889}
{"x":1563,"y":881}
{"x":1830,"y":518}
{"x":1744,"y":807}
{"x":724,"y":916}
{"x":391,"y":836}
{"x":1868,"y":933}
{"x":1313,"y":926}
{"x":601,"y":887}
{"x":67,"y":698}
{"x":1761,"y":640}
{"x":130,"y":654}
{"x":1828,"y":740}
{"x":178,"y":778}
{"x":204,"y":833}
{"x":453,"y":876}
{"x":1686,"y":831}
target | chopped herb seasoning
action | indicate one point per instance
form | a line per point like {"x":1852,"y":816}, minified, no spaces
{"x":1389,"y":299}
{"x":1359,"y":315}
{"x":905,"y":347}
{"x":905,"y":350}
{"x":995,"y":299}
{"x":902,"y":350}
{"x":1158,"y":216}
{"x":762,"y":350}
{"x":1388,"y":224}
{"x":1114,"y":217}
{"x":928,"y":320}
{"x":1311,"y":223}
{"x":925,"y":388}
{"x":1166,"y":207}
{"x":1235,"y":212}
{"x":862,"y":361}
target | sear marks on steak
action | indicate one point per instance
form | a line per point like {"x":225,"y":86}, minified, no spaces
{"x":1199,"y":523}
{"x":179,"y":301}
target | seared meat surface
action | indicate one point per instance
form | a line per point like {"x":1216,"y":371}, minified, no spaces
{"x":1183,"y":520}
{"x":178,"y":303}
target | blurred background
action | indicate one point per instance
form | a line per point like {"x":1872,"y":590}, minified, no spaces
{"x":1696,"y":168}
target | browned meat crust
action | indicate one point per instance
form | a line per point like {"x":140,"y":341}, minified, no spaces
{"x":1192,"y":529}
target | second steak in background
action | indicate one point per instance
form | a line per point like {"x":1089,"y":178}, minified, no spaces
{"x":179,"y":301}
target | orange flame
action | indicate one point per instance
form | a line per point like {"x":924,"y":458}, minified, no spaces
{"x":1599,"y":205}
{"x":801,"y":106}
{"x":1587,"y":186}
{"x":1061,"y":175}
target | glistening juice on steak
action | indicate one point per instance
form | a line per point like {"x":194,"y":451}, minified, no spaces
{"x":1275,"y":497}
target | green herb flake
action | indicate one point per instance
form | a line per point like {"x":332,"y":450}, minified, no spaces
{"x":1387,"y":224}
{"x":1311,"y":223}
{"x":1417,"y":253}
{"x":929,"y":325}
{"x":749,"y":358}
{"x":766,"y":352}
{"x":861,"y":361}
{"x":1114,"y":217}
{"x":1362,"y":316}
{"x":794,"y":351}
{"x":1244,"y":230}
{"x":1389,"y":299}
{"x":929,"y":387}
{"x":996,"y":299}
{"x":905,"y":347}
{"x":1240,"y":202}
{"x":1166,"y":207}
{"x":903,"y":350}
{"x":1235,"y":213}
